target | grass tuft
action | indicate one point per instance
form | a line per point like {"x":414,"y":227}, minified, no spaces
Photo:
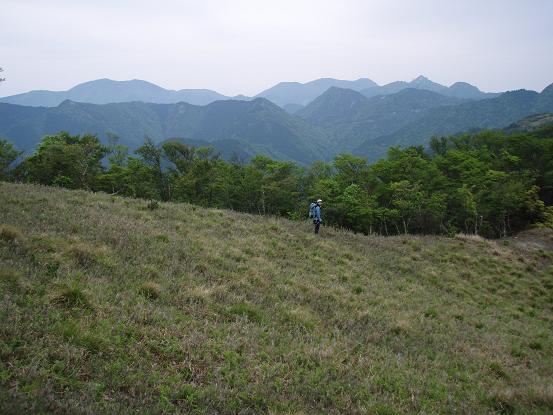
{"x":11,"y":234}
{"x":246,"y":310}
{"x":73,"y":297}
{"x":152,"y":205}
{"x":530,"y":399}
{"x":150,"y":290}
{"x":84,"y":254}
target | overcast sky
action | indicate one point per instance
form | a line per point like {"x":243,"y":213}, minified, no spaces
{"x":245,"y":46}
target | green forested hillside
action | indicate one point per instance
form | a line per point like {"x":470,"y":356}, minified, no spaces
{"x":113,"y":305}
{"x":488,"y":113}
{"x":258,"y":125}
{"x":353,"y":119}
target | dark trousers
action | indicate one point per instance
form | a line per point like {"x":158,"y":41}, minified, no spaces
{"x":317,"y":224}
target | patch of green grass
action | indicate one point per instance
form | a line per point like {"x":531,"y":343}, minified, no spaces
{"x":431,"y":312}
{"x":246,"y":310}
{"x":162,"y":238}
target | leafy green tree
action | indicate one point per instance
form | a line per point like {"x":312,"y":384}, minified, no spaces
{"x":358,"y":209}
{"x":66,"y":160}
{"x":8,"y":155}
{"x":194,"y":179}
{"x":152,"y":156}
{"x":277,"y":184}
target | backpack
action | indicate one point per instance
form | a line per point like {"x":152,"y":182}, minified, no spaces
{"x":312,"y":210}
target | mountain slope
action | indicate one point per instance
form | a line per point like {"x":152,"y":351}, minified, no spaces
{"x":496,"y":112}
{"x":261,"y":126}
{"x":111,"y":306}
{"x":286,"y":93}
{"x":105,"y":91}
{"x":353,"y":118}
{"x":531,"y":123}
{"x":333,"y":106}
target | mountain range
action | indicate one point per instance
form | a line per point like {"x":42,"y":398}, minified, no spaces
{"x":107,"y":91}
{"x":338,"y":120}
{"x":292,"y":96}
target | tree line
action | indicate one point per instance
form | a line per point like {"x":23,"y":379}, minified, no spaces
{"x":488,"y":183}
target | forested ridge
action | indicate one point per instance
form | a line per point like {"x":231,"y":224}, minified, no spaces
{"x":489,"y":183}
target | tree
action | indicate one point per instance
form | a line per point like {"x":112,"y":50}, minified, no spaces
{"x":408,"y":199}
{"x":276,"y":184}
{"x":359,"y":209}
{"x":180,"y":155}
{"x":67,"y":161}
{"x":8,"y":154}
{"x":152,"y":157}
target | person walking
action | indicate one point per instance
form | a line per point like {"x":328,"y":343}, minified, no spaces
{"x":317,"y":215}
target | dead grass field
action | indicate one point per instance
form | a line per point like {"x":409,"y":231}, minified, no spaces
{"x":112,"y":305}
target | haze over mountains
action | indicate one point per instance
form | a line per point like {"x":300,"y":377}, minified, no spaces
{"x":340,"y":116}
{"x":289,"y":95}
{"x":107,"y":91}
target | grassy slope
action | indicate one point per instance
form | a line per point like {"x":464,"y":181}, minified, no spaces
{"x":110,"y":307}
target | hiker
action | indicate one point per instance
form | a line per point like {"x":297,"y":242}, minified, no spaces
{"x":315,"y":214}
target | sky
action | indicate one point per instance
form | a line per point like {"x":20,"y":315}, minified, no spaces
{"x":245,"y":46}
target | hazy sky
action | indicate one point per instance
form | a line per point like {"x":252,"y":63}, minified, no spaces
{"x":244,"y":46}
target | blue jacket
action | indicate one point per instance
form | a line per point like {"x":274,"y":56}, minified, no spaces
{"x":317,"y":213}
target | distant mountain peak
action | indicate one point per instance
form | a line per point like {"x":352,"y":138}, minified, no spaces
{"x":420,"y":78}
{"x":285,"y":93}
{"x":548,"y":90}
{"x":425,"y":83}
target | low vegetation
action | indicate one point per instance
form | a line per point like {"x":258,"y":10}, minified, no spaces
{"x":117,"y":305}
